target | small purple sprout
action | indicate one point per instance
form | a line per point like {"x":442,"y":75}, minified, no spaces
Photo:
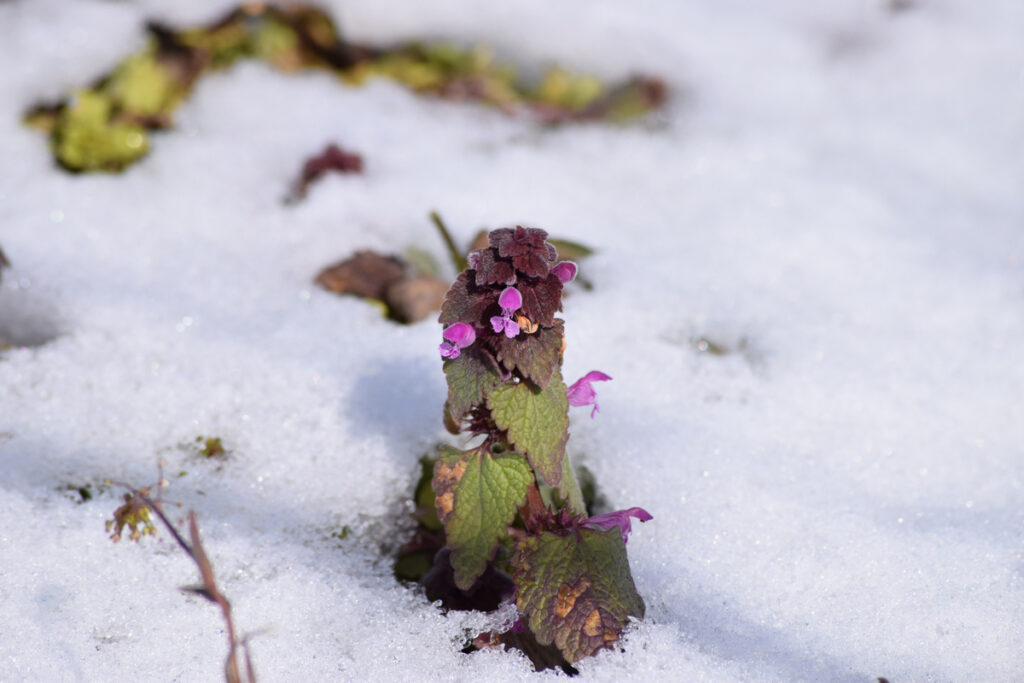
{"x":580,"y":393}
{"x":565,"y":271}
{"x":459,"y":336}
{"x":619,"y":519}
{"x":510,"y":301}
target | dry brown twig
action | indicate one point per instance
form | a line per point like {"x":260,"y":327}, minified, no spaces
{"x":137,"y":504}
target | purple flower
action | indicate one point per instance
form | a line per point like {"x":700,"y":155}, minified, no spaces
{"x":510,"y":301}
{"x":565,"y":271}
{"x":580,"y":393}
{"x":459,"y":336}
{"x":619,"y":519}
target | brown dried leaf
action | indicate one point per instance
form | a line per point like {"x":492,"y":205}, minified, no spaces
{"x":366,"y":274}
{"x":412,"y":299}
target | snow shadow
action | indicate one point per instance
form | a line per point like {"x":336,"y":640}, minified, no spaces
{"x":26,"y":318}
{"x":722,"y":633}
{"x":401,"y":395}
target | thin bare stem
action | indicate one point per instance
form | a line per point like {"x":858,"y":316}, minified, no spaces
{"x":208,"y":588}
{"x":458,"y":260}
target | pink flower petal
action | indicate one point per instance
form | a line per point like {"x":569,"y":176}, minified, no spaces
{"x":510,"y":300}
{"x":619,"y":518}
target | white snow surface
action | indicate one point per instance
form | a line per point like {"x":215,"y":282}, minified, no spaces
{"x":832,"y":195}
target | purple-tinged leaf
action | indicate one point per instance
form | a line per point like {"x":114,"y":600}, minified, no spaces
{"x":471,"y":376}
{"x":332,"y":158}
{"x":533,"y":356}
{"x":541,"y":299}
{"x":491,"y":270}
{"x":466,"y":302}
{"x":575,"y":589}
{"x":531,"y":255}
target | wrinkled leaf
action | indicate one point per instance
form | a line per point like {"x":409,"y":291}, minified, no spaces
{"x":528,"y":249}
{"x":466,"y":302}
{"x":477,"y":497}
{"x":470,"y":377}
{"x":492,"y":270}
{"x":576,"y":590}
{"x":542,"y":299}
{"x":537,"y":421}
{"x":534,"y":356}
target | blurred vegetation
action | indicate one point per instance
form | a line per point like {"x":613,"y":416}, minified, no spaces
{"x":106,"y":126}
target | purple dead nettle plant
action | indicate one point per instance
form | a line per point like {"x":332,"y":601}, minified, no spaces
{"x":511,"y":502}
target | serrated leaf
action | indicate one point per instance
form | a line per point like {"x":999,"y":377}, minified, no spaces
{"x":477,"y":497}
{"x":542,"y":298}
{"x":537,"y":421}
{"x":470,"y":377}
{"x":466,"y":302}
{"x":535,"y":355}
{"x":576,"y":591}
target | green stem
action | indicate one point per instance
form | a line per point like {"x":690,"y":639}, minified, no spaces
{"x":458,"y":260}
{"x":570,"y":488}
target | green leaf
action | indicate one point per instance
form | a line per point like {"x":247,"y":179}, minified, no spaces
{"x":535,"y":355}
{"x":142,"y":86}
{"x":470,"y":377}
{"x":86,"y":139}
{"x":576,"y":591}
{"x":537,"y":421}
{"x":477,"y":497}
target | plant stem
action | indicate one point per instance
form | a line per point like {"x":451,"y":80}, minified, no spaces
{"x":458,"y":260}
{"x":570,"y":488}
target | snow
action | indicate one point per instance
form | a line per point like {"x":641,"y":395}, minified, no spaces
{"x":832,"y":196}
